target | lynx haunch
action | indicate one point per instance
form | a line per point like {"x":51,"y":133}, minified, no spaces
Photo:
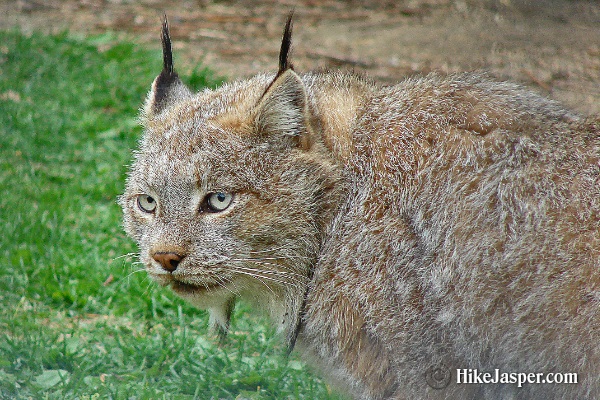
{"x":446,"y":220}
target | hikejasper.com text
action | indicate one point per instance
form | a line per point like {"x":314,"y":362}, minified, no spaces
{"x":473,"y":376}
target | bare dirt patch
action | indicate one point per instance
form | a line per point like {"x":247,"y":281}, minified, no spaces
{"x":551,"y":45}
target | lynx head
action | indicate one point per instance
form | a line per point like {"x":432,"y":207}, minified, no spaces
{"x":228,"y":191}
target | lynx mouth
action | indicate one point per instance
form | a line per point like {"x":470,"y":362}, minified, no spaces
{"x":188,"y":288}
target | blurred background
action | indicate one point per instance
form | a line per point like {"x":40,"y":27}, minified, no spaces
{"x":551,"y":45}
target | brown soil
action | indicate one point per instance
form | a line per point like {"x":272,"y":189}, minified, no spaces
{"x":551,"y":45}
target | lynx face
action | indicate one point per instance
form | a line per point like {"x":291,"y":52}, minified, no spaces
{"x":224,"y":196}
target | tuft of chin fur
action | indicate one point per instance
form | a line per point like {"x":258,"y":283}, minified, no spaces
{"x":220,"y":316}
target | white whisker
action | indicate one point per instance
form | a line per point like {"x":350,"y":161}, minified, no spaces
{"x":134,"y":272}
{"x":284,"y":280}
{"x":285,"y":256}
{"x":257,"y":277}
{"x":125,"y":256}
{"x":268,"y":250}
{"x":270,"y":271}
{"x":224,"y":283}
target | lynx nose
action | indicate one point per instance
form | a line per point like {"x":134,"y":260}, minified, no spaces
{"x":168,"y":260}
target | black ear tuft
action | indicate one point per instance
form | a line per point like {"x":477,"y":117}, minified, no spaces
{"x":167,"y":88}
{"x":168,"y":77}
{"x":165,"y":38}
{"x":286,"y":44}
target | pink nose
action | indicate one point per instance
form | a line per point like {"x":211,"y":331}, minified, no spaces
{"x":168,"y":260}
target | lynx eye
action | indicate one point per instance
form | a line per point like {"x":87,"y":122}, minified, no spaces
{"x":146,"y":203}
{"x":217,"y":202}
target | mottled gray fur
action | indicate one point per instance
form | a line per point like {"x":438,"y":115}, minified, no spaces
{"x":449,"y":221}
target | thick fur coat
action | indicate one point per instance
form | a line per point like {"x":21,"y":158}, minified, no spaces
{"x":444,"y":223}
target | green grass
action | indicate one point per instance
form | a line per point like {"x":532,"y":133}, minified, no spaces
{"x":78,"y":321}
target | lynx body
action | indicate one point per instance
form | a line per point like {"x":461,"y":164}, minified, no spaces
{"x":444,"y":223}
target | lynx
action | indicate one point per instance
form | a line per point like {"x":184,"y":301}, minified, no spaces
{"x":399,"y":237}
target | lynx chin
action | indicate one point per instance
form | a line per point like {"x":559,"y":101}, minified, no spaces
{"x":446,"y":220}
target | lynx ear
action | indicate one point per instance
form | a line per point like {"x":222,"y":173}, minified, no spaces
{"x":167,"y":88}
{"x":282,"y":110}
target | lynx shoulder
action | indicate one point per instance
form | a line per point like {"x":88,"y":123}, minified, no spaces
{"x":442,"y":224}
